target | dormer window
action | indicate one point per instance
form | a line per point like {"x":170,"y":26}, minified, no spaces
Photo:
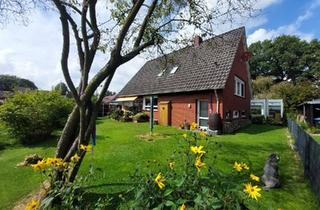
{"x":161,"y":73}
{"x":174,"y":69}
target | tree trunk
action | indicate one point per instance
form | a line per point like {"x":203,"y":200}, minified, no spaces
{"x":69,"y":133}
{"x":78,"y":130}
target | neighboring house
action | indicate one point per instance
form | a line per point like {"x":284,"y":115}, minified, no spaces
{"x":108,"y":104}
{"x":269,"y":108}
{"x":311,"y":111}
{"x":212,"y":76}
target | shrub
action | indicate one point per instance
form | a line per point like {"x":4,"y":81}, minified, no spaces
{"x":32,"y":116}
{"x":188,"y":182}
{"x":63,"y":194}
{"x":127,"y":116}
{"x":273,"y":121}
{"x":257,"y":119}
{"x":117,"y":114}
{"x":314,"y":130}
{"x":141,"y":117}
{"x":304,"y":125}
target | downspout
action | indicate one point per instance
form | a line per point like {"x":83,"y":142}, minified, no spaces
{"x":217,"y":99}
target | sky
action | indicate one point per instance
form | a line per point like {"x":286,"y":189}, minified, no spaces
{"x":33,"y":51}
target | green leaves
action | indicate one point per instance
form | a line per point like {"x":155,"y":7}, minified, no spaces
{"x":285,"y":58}
{"x":32,"y":116}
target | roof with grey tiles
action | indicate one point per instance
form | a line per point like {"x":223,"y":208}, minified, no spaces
{"x":199,"y":68}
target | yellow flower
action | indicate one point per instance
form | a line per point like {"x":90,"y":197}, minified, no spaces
{"x":252,"y":191}
{"x":254,"y":178}
{"x":41,"y":164}
{"x":171,"y":165}
{"x":199,"y":164}
{"x":159,"y":180}
{"x":237,"y":166}
{"x":197,"y":150}
{"x":184,"y":135}
{"x":183,"y":207}
{"x":65,"y":165}
{"x":202,"y":134}
{"x":32,"y":205}
{"x":75,"y":158}
{"x":86,"y":148}
{"x":193,"y":126}
{"x":245,"y":166}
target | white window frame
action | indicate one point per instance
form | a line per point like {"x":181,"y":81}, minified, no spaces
{"x":198,"y":114}
{"x":174,"y":69}
{"x":235,"y":114}
{"x":148,"y":107}
{"x":161,"y":73}
{"x":239,"y":87}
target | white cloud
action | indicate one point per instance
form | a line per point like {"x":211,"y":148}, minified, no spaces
{"x":33,"y":52}
{"x":262,"y":4}
{"x":290,"y":29}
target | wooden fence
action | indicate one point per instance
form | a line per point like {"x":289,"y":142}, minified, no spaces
{"x":309,"y":151}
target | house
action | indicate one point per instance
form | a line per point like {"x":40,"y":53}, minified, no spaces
{"x":107,"y":105}
{"x":310,"y":111}
{"x":210,"y":76}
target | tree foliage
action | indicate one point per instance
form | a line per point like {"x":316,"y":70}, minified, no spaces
{"x":292,"y":94}
{"x":286,"y":58}
{"x":61,"y":88}
{"x":261,"y":86}
{"x":32,"y":116}
{"x":11,"y":83}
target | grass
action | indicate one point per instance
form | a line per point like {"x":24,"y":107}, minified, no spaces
{"x":122,"y":147}
{"x":16,"y":182}
{"x":316,"y":137}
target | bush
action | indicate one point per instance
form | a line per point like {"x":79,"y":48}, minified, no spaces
{"x":273,"y":121}
{"x":141,"y":117}
{"x":116,"y":114}
{"x":257,"y":119}
{"x":127,"y":116}
{"x":314,"y":130}
{"x":32,"y":116}
{"x":189,"y":183}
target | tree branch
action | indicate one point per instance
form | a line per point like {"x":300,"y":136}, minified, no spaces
{"x":129,"y":20}
{"x":136,"y":51}
{"x":77,"y":10}
{"x":145,"y":23}
{"x":78,"y":40}
{"x":66,"y":49}
{"x":86,"y":66}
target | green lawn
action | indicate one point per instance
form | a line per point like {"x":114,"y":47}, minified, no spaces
{"x":17,"y":182}
{"x":316,"y":137}
{"x":120,"y":151}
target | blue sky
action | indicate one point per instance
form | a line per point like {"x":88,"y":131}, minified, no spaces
{"x":33,"y":52}
{"x":294,"y":17}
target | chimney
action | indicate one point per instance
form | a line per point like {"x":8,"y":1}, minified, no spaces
{"x":197,"y":41}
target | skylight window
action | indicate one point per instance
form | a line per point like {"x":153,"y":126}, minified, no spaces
{"x":174,"y":69}
{"x":161,"y":73}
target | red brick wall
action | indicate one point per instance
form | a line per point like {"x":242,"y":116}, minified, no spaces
{"x":180,"y":109}
{"x":232,"y":102}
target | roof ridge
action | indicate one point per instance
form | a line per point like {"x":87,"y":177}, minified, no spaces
{"x":207,"y":40}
